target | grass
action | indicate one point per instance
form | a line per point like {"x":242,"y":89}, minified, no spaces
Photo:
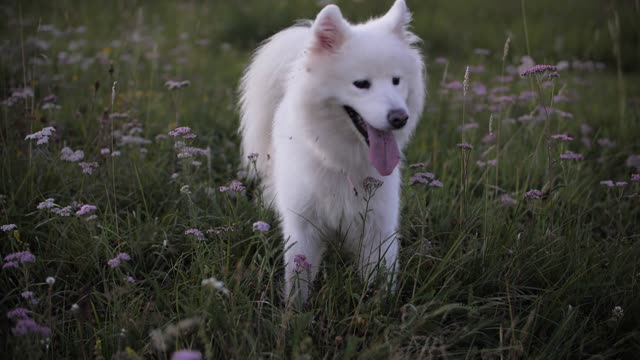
{"x":542,"y":278}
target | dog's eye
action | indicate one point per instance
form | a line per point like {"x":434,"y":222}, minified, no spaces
{"x":362,"y":84}
{"x":396,"y":80}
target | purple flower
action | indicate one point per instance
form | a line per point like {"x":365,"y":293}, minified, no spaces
{"x":507,"y":201}
{"x":18,"y":313}
{"x":47,"y":204}
{"x":562,"y":137}
{"x":21,"y":257}
{"x":86,"y":209}
{"x":570,"y":155}
{"x":261,"y":226}
{"x":533,"y":194}
{"x":633,"y":161}
{"x":27,"y":295}
{"x":183,"y":131}
{"x":186,"y":355}
{"x":481,"y":52}
{"x":10,"y":265}
{"x":235,"y":186}
{"x":42,"y":136}
{"x":464,"y":146}
{"x":67,"y":154}
{"x":64,"y":212}
{"x":105,"y":151}
{"x":635,"y":177}
{"x":489,"y":138}
{"x":88,"y":167}
{"x":370,"y":184}
{"x":607,"y":183}
{"x":116,"y":261}
{"x":29,"y":326}
{"x":189,"y":151}
{"x":538,"y":69}
{"x":301,"y":263}
{"x":621,"y":183}
{"x":436,"y":184}
{"x":9,"y":227}
{"x":606,"y":143}
{"x":417,"y":165}
{"x":195,"y":233}
{"x":421,"y":178}
{"x":252,"y":157}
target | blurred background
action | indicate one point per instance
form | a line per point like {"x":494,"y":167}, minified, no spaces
{"x":556,"y":29}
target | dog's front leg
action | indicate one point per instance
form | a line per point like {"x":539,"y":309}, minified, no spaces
{"x":302,"y":255}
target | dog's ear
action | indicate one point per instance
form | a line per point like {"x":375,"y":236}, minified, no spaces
{"x":330,"y":30}
{"x":398,"y":18}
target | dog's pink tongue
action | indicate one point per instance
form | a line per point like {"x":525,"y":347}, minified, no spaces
{"x":384,"y":153}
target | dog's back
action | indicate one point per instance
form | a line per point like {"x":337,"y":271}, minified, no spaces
{"x":261,"y":91}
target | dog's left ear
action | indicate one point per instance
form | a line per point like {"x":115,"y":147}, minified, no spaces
{"x":398,"y":18}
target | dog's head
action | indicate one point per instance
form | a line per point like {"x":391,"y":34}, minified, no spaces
{"x":373,"y":74}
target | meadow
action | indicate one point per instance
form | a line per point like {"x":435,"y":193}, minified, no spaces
{"x":126,"y":235}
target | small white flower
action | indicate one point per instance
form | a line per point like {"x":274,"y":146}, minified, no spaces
{"x":216,"y":284}
{"x":185,"y":190}
{"x":75,"y":308}
{"x":50,"y":280}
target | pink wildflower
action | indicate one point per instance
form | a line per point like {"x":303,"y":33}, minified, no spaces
{"x":301,"y":263}
{"x":538,"y":69}
{"x":635,"y":177}
{"x":88,"y":167}
{"x":562,"y":137}
{"x":607,"y":183}
{"x":195,"y":233}
{"x":183,"y":131}
{"x":507,"y":201}
{"x":533,"y":194}
{"x":86,"y":209}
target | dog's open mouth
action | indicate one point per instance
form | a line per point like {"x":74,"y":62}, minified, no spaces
{"x":384,"y":153}
{"x":358,"y":122}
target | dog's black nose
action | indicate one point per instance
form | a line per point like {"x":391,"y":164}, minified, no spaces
{"x":397,"y":118}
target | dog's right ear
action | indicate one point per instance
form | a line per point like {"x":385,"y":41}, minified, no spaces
{"x":330,"y":30}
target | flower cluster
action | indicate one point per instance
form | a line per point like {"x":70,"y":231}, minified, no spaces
{"x":41,"y":136}
{"x":195,"y":233}
{"x":425,"y":178}
{"x":88,"y":167}
{"x":8,"y":227}
{"x":15,"y":259}
{"x":117,"y":261}
{"x":25,"y":325}
{"x":570,"y":155}
{"x":67,"y":154}
{"x":301,"y":263}
{"x":234,"y":186}
{"x":183,"y":131}
{"x":538,"y":69}
{"x":86,"y":209}
{"x":261,"y":226}
{"x":533,"y":194}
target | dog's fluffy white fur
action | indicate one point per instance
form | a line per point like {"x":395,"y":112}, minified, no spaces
{"x":296,"y":96}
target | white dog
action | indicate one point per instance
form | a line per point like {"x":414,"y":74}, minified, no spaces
{"x":326,"y":106}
